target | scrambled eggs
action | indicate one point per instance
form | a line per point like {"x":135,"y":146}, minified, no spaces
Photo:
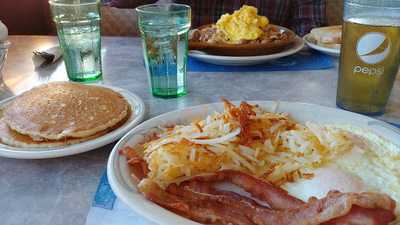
{"x":243,"y":24}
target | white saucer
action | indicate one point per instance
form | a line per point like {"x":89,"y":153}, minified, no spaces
{"x":245,"y":60}
{"x":137,"y":115}
{"x":329,"y":51}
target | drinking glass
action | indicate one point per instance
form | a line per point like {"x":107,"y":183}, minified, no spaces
{"x":370,"y":56}
{"x":78,"y":29}
{"x":164,"y":31}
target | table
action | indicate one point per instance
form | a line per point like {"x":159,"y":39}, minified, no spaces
{"x":60,"y":191}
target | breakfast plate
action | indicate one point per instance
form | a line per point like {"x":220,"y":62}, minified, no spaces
{"x":136,"y":116}
{"x":246,"y":60}
{"x":246,"y":49}
{"x":329,"y":51}
{"x":119,"y":173}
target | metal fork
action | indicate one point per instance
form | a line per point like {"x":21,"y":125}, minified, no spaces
{"x":46,"y":56}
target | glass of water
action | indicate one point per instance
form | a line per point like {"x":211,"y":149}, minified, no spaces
{"x":78,"y":28}
{"x":164,"y":30}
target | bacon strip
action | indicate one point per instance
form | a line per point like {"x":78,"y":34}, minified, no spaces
{"x":378,"y":209}
{"x":138,"y":166}
{"x":356,"y":216}
{"x":277,"y":198}
{"x":199,"y":209}
{"x":364,"y":216}
{"x":197,"y":199}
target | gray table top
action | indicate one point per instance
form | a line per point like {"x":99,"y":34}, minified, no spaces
{"x":60,"y":191}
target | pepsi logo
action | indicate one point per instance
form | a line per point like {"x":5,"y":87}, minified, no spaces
{"x":373,"y":47}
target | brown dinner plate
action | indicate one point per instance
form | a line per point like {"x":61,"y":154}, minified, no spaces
{"x":250,"y":49}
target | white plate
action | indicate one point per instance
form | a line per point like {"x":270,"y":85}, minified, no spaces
{"x":246,"y":60}
{"x":119,"y":174}
{"x":329,"y":51}
{"x":138,"y":112}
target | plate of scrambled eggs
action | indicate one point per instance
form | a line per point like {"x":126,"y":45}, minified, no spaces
{"x":305,"y":149}
{"x":245,"y":60}
{"x":242,"y":37}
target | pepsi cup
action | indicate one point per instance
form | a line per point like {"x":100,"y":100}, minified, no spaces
{"x":369,"y":59}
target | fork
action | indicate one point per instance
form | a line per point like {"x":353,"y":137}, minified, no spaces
{"x":46,"y":56}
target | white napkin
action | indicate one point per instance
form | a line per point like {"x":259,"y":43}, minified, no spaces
{"x":39,"y":61}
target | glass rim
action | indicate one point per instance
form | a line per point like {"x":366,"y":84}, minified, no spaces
{"x":371,"y":5}
{"x":55,"y":3}
{"x":142,"y":8}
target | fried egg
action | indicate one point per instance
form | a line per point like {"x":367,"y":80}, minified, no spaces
{"x":325,"y":179}
{"x":371,"y":165}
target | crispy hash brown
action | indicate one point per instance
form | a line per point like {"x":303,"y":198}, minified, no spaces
{"x":179,"y":168}
{"x":246,"y":138}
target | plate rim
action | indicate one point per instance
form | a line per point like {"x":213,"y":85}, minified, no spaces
{"x":55,"y":152}
{"x":320,"y":48}
{"x":113,"y":166}
{"x":298,"y":45}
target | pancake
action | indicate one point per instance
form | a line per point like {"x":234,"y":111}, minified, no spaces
{"x":13,"y":138}
{"x":62,"y":110}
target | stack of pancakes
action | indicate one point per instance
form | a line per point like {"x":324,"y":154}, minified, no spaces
{"x":61,"y":113}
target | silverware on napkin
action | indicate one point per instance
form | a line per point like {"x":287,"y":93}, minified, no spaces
{"x":43,"y":58}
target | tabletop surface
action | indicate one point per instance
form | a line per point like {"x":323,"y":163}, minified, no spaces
{"x":60,"y":191}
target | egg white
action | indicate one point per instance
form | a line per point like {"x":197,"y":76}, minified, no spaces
{"x":373,"y":164}
{"x":325,"y":179}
